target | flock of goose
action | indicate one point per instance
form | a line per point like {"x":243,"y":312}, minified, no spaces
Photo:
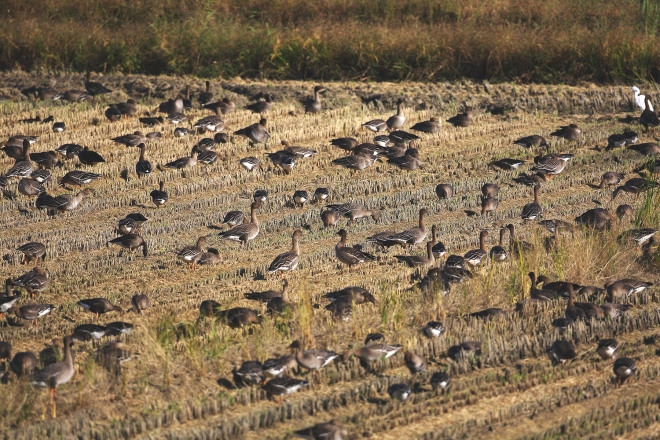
{"x":392,"y":144}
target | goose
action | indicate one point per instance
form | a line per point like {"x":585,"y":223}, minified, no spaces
{"x":533,"y":141}
{"x":75,"y":96}
{"x":640,"y":100}
{"x":355,"y":294}
{"x":399,"y":391}
{"x":465,"y":349}
{"x":355,"y":163}
{"x":159,"y":196}
{"x":638,"y":236}
{"x":130,"y":242}
{"x":46,"y":159}
{"x":648,"y":118}
{"x":140,"y":302}
{"x":30,"y":187}
{"x":475,"y":257}
{"x":78,"y":178}
{"x":260,"y":195}
{"x":205,"y":97}
{"x":610,"y":178}
{"x":89,"y":157}
{"x":149,"y":122}
{"x":23,"y":364}
{"x":612,"y":309}
{"x":320,"y":195}
{"x":32,"y":251}
{"x":233,"y":218}
{"x":462,"y":119}
{"x":172,"y":106}
{"x":24,"y":167}
{"x":624,"y":210}
{"x":636,"y":185}
{"x":595,"y":218}
{"x":354,"y":211}
{"x":408,"y":162}
{"x":59,"y":127}
{"x":88,"y":332}
{"x":261,"y":107}
{"x":418,"y":260}
{"x":490,"y":313}
{"x":192,"y":254}
{"x":550,"y":165}
{"x":288,"y":261}
{"x":299,"y":152}
{"x":48,"y":94}
{"x":300,"y":197}
{"x":350,"y":255}
{"x":518,"y":247}
{"x":626,"y":286}
{"x":413,"y":236}
{"x":61,"y":203}
{"x":99,"y":306}
{"x":284,"y":385}
{"x":573,"y":312}
{"x":490,"y":190}
{"x":225,"y":105}
{"x":69,"y":151}
{"x":607,"y":349}
{"x":439,"y":249}
{"x":250,"y":163}
{"x":489,"y":204}
{"x":396,"y":121}
{"x":624,"y":368}
{"x":312,"y":360}
{"x":247,"y":231}
{"x":180,"y":132}
{"x":561,"y":351}
{"x":621,"y":140}
{"x":264,"y":296}
{"x":95,"y":88}
{"x":113,"y":354}
{"x":128,"y":108}
{"x":257,"y":133}
{"x":373,"y":352}
{"x":56,"y":374}
{"x":569,"y":132}
{"x":441,"y":380}
{"x":131,"y":140}
{"x":540,"y":294}
{"x":7,"y":301}
{"x":561,"y":287}
{"x":183,"y":162}
{"x":433,"y":329}
{"x":646,"y":149}
{"x":250,"y":373}
{"x":276,"y":367}
{"x":507,"y":164}
{"x":112,"y":113}
{"x":347,"y":144}
{"x":498,"y":253}
{"x":211,"y":123}
{"x":210,"y":257}
{"x":143,"y":166}
{"x":36,"y":280}
{"x":414,"y":362}
{"x":119,"y":328}
{"x":532,"y":210}
{"x":313,"y":105}
{"x":41,"y":176}
{"x":444,"y":191}
{"x":375,"y":125}
{"x":430,"y":126}
{"x":332,"y":430}
{"x":31,"y":311}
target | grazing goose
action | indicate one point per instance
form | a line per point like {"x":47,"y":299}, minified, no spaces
{"x":205,"y":97}
{"x":490,"y":190}
{"x":430,"y":126}
{"x":624,"y":210}
{"x":329,"y":217}
{"x":439,"y":249}
{"x":143,"y":166}
{"x":23,"y":364}
{"x":355,"y":294}
{"x":140,"y":302}
{"x":638,"y":236}
{"x":573,"y":312}
{"x":347,"y":144}
{"x":399,"y":391}
{"x":58,"y":373}
{"x":433,"y":329}
{"x":640,"y":100}
{"x":375,"y":125}
{"x":320,"y":195}
{"x":75,"y":96}
{"x":46,"y":159}
{"x":550,"y":165}
{"x":257,"y":133}
{"x":172,"y":106}
{"x":646,"y":149}
{"x":260,"y":195}
{"x":350,"y":255}
{"x":261,"y":107}
{"x":210,"y":257}
{"x":225,"y":105}
{"x":95,"y":88}
{"x":569,"y":132}
{"x":465,"y":349}
{"x":595,"y":218}
{"x":648,"y":118}
{"x":89,"y":157}
{"x":624,"y":367}
{"x":250,"y":163}
{"x":276,"y":367}
{"x":284,"y":385}
{"x":247,"y":231}
{"x":112,"y":113}
{"x":59,"y":127}
{"x":299,"y":152}
{"x":87,"y":332}
{"x":159,"y":196}
{"x":130,"y":242}
{"x":413,"y":236}
{"x":462,"y":119}
{"x":312,"y":360}
{"x":78,"y":178}
{"x":507,"y":164}
{"x":355,"y":163}
{"x":636,"y":185}
{"x":119,"y":328}
{"x":149,"y":122}
{"x":607,"y":349}
{"x":408,"y":162}
{"x":250,"y":373}
{"x":396,"y":121}
{"x":131,"y":140}
{"x":32,"y":311}
{"x":418,"y":260}
{"x":313,"y":105}
{"x":626,"y":287}
{"x":489,"y":204}
{"x":517,"y":247}
{"x":112,"y":355}
{"x":354,"y":211}
{"x":233,"y":218}
{"x":99,"y":306}
{"x":610,"y":178}
{"x":211,"y":123}
{"x":192,"y":254}
{"x":41,"y":176}
{"x":533,"y":141}
{"x":414,"y":362}
{"x":61,"y":203}
{"x":30,"y":187}
{"x":444,"y":191}
{"x":561,"y":351}
{"x":441,"y":380}
{"x":498,"y":253}
{"x":24,"y":167}
{"x":532,"y":210}
{"x":36,"y":280}
{"x":332,"y":430}
{"x":621,"y":140}
{"x":300,"y":197}
{"x":183,"y":162}
{"x":612,"y":309}
{"x":288,"y":261}
{"x":373,"y":352}
{"x":7,"y":301}
{"x":490,"y":313}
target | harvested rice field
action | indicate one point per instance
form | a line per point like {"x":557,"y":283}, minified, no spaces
{"x":180,"y":381}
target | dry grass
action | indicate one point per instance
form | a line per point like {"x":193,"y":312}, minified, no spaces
{"x":525,"y":40}
{"x":171,"y":390}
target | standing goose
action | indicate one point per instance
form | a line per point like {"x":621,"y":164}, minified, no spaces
{"x":159,"y":196}
{"x":408,"y":162}
{"x":99,"y":306}
{"x":540,"y":294}
{"x":192,"y":254}
{"x":288,"y":261}
{"x":257,"y":133}
{"x":36,"y":280}
{"x":347,"y":144}
{"x":95,"y":88}
{"x":413,"y":236}
{"x":572,"y":311}
{"x":430,"y":126}
{"x":7,"y":301}
{"x":533,"y":141}
{"x":648,"y":118}
{"x":130,"y":242}
{"x":549,"y":165}
{"x":569,"y":132}
{"x":32,"y":311}
{"x":261,"y":107}
{"x":439,"y":249}
{"x":313,"y":105}
{"x":56,"y":374}
{"x":143,"y":166}
{"x":475,"y":257}
{"x":22,"y":168}
{"x":418,"y":260}
{"x":284,"y":385}
{"x":281,"y":305}
{"x":247,"y":231}
{"x":373,"y":352}
{"x":532,"y":210}
{"x":395,"y":122}
{"x":607,"y":349}
{"x":624,"y":367}
{"x":312,"y":360}
{"x":205,"y":97}
{"x":350,"y":255}
{"x":498,"y":253}
{"x":462,"y":119}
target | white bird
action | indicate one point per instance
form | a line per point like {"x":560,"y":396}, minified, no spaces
{"x":639,"y":99}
